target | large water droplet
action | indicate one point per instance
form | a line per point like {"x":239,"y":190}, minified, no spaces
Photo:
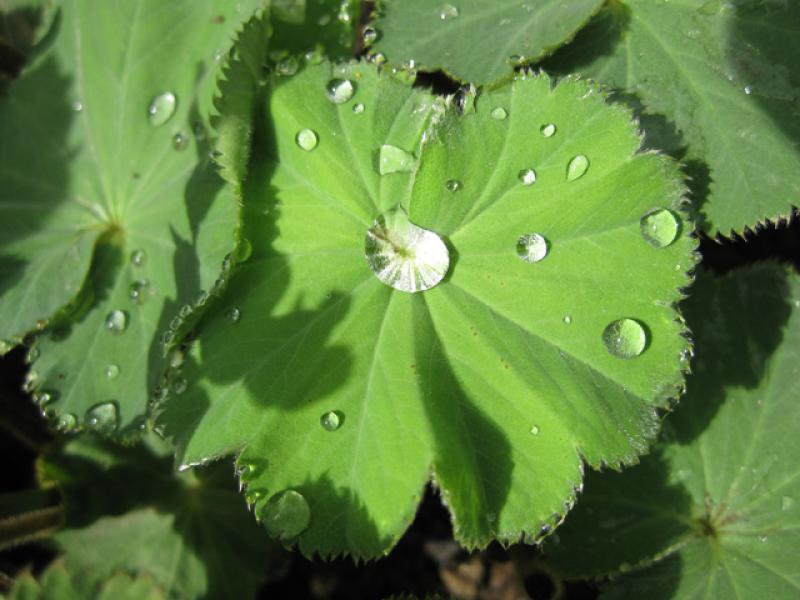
{"x":447,"y":12}
{"x":306,"y":139}
{"x":625,"y":338}
{"x":102,"y":418}
{"x":67,"y":422}
{"x":403,"y":255}
{"x":139,"y":290}
{"x":659,"y":227}
{"x":332,"y":420}
{"x":116,"y":322}
{"x":394,"y":160}
{"x":531,"y":247}
{"x":161,"y":108}
{"x":577,"y":167}
{"x":527,"y":176}
{"x":339,"y":91}
{"x":548,"y":130}
{"x":499,"y":113}
{"x":112,"y":371}
{"x":138,"y":257}
{"x":453,"y":185}
{"x":286,"y":515}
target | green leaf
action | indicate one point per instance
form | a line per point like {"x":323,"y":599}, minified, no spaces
{"x":724,"y":76}
{"x":716,"y":505}
{"x":189,"y":532}
{"x":476,"y":40}
{"x":57,"y":583}
{"x":351,"y":394}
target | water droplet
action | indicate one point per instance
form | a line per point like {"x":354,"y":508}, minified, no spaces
{"x":659,"y":227}
{"x":515,"y":59}
{"x":787,"y":502}
{"x":313,"y":57}
{"x":185,"y":311}
{"x":139,"y":290}
{"x":44,"y":398}
{"x":535,"y":430}
{"x":32,"y":354}
{"x":243,"y":251}
{"x":161,"y":109}
{"x":30,"y":381}
{"x":376,"y":58}
{"x":403,"y":255}
{"x":116,"y":322}
{"x":453,"y":185}
{"x":67,"y":422}
{"x":625,"y":338}
{"x":447,"y":12}
{"x":180,"y":141}
{"x":748,"y":89}
{"x":112,"y":371}
{"x":548,"y":130}
{"x":324,"y":20}
{"x":499,"y":113}
{"x":138,"y":257}
{"x":340,"y":91}
{"x":531,"y":247}
{"x":394,"y":160}
{"x":179,"y":385}
{"x":286,"y":515}
{"x":370,"y":35}
{"x":233,"y":315}
{"x":201,"y":298}
{"x":358,"y":108}
{"x":77,"y":106}
{"x":287,"y":66}
{"x":246,"y":471}
{"x":102,"y":418}
{"x":306,"y":139}
{"x":763,"y":539}
{"x":567,"y":319}
{"x":577,"y":167}
{"x":527,"y":176}
{"x":332,"y":420}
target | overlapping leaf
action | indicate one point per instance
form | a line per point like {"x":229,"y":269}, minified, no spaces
{"x":346,"y":394}
{"x":476,"y":40}
{"x":716,"y":506}
{"x":725,"y":76}
{"x":188,"y":532}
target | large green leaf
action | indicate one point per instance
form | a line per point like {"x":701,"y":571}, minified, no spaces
{"x":344,"y":396}
{"x":189,"y":532}
{"x":93,"y":180}
{"x":476,"y":40}
{"x":725,"y":75}
{"x":717,"y":503}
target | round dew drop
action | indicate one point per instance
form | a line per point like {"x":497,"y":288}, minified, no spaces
{"x":233,"y":315}
{"x":532,"y":247}
{"x":577,"y":167}
{"x":625,"y":338}
{"x":67,"y":422}
{"x":286,"y":515}
{"x":102,"y":418}
{"x":535,"y":430}
{"x":447,"y":12}
{"x":659,"y":227}
{"x":527,"y":177}
{"x":287,"y":66}
{"x":179,"y":386}
{"x":358,"y":108}
{"x":138,"y":291}
{"x":116,"y":322}
{"x":340,"y":91}
{"x":548,"y":130}
{"x":331,"y":420}
{"x":161,"y":108}
{"x":180,"y":141}
{"x":306,"y":139}
{"x":499,"y":113}
{"x":453,"y":185}
{"x":370,"y":35}
{"x":138,"y":258}
{"x":112,"y":371}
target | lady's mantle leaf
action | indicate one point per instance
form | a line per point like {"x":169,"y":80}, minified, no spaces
{"x":344,"y":394}
{"x":476,"y":40}
{"x":718,"y":504}
{"x":725,"y":75}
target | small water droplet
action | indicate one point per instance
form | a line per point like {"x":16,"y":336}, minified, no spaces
{"x":394,"y":160}
{"x":180,"y":141}
{"x":567,"y":319}
{"x":659,"y":227}
{"x":515,"y":59}
{"x":324,"y":20}
{"x":548,"y":130}
{"x":763,"y":539}
{"x":185,"y":311}
{"x":161,"y":108}
{"x":453,"y":185}
{"x":532,"y":247}
{"x":179,"y":385}
{"x":112,"y":371}
{"x":286,"y":515}
{"x":201,"y":298}
{"x":116,"y":322}
{"x":787,"y":502}
{"x":332,"y":420}
{"x":30,"y":381}
{"x":67,"y":422}
{"x":340,"y":91}
{"x":370,"y":35}
{"x":138,"y":257}
{"x":535,"y":430}
{"x":403,"y":255}
{"x":287,"y":66}
{"x":447,"y":12}
{"x":499,"y":113}
{"x":748,"y":89}
{"x":246,"y":471}
{"x":358,"y":108}
{"x":233,"y":315}
{"x":527,"y":176}
{"x":306,"y":139}
{"x":313,"y":57}
{"x":77,"y":106}
{"x":43,"y":398}
{"x":625,"y":338}
{"x":102,"y":418}
{"x":138,"y":291}
{"x":577,"y":167}
{"x":243,"y":251}
{"x":32,"y":354}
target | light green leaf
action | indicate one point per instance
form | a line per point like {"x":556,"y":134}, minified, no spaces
{"x":476,"y":40}
{"x":716,"y":505}
{"x":497,"y":382}
{"x":724,"y":75}
{"x":189,"y":532}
